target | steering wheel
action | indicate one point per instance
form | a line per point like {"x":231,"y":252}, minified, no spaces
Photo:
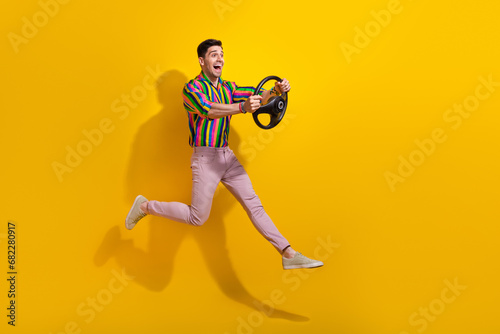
{"x":275,"y":107}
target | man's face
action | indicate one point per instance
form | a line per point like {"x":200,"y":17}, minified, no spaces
{"x":213,"y":62}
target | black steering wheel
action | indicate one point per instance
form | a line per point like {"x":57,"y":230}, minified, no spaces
{"x":275,"y":107}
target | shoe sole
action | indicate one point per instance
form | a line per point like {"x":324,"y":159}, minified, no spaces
{"x":303,"y":266}
{"x":130,"y":225}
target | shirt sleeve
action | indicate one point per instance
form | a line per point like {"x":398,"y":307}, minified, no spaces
{"x":195,"y":101}
{"x":241,"y":94}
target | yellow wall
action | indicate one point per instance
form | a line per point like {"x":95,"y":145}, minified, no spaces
{"x":386,"y":167}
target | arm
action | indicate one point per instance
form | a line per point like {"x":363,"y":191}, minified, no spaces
{"x":195,"y":101}
{"x":278,"y":89}
{"x":219,"y":110}
{"x":251,"y":102}
{"x":268,"y":94}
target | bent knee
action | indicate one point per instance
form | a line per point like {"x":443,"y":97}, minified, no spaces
{"x":197,"y":221}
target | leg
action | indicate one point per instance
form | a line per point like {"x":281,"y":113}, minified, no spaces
{"x":206,"y":177}
{"x":238,"y":183}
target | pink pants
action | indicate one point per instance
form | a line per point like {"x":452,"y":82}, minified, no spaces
{"x":210,"y":166}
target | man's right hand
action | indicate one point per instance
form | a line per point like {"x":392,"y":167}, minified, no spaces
{"x":252,"y":103}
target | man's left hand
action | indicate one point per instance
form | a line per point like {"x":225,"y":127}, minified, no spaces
{"x":282,"y":87}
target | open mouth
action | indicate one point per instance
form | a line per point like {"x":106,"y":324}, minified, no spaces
{"x":218,"y":67}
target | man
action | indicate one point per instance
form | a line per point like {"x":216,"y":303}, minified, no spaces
{"x":210,"y":103}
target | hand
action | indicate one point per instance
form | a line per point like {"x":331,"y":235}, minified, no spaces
{"x":282,"y":87}
{"x":252,"y":103}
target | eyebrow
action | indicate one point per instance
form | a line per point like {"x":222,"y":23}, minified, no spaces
{"x":215,"y":51}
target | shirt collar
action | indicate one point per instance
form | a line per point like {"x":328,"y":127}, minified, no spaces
{"x":203,"y":76}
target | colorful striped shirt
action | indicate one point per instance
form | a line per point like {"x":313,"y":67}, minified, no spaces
{"x":199,"y":95}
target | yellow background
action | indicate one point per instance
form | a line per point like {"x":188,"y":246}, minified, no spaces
{"x":320,"y":174}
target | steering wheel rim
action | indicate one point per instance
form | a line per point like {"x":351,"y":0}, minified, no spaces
{"x":275,"y":107}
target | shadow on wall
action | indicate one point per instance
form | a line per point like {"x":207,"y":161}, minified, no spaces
{"x":159,"y":168}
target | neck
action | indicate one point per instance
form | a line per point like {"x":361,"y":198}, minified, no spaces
{"x":213,"y":80}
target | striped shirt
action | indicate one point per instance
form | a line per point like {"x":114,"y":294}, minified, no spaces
{"x":199,"y":95}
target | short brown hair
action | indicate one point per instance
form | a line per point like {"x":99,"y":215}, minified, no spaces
{"x":205,"y":45}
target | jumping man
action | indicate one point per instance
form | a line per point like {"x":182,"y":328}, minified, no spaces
{"x":210,"y":103}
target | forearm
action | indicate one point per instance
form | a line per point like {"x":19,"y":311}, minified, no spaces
{"x":219,"y":110}
{"x":266,"y":95}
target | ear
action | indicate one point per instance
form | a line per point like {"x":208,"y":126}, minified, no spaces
{"x":201,"y":61}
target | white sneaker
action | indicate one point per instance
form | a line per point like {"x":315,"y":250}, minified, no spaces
{"x":135,"y":214}
{"x":300,"y":261}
